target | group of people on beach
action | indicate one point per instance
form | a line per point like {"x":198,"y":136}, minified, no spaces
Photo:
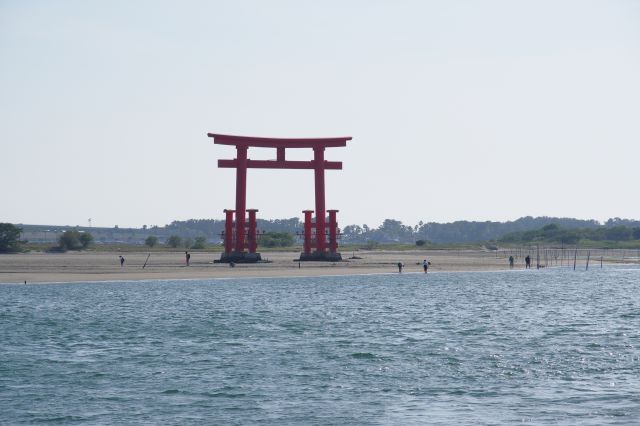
{"x":527,"y":262}
{"x":425,"y":266}
{"x":187,"y":259}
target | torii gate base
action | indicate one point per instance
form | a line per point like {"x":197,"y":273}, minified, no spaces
{"x":320,"y":257}
{"x":235,"y":257}
{"x":249,"y":240}
{"x":310,"y":240}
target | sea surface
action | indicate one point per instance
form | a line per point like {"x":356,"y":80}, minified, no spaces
{"x":553,"y":346}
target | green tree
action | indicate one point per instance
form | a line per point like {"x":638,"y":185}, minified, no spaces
{"x":9,"y":238}
{"x":86,"y":239}
{"x":70,"y":240}
{"x":188,"y":242}
{"x":618,"y":233}
{"x":277,"y":239}
{"x":151,"y":240}
{"x":570,"y":238}
{"x":421,"y":242}
{"x":174,"y":241}
{"x":201,"y":242}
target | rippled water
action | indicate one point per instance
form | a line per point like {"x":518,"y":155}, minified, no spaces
{"x":551,"y":346}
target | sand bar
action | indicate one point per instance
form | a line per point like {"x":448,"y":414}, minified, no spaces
{"x":37,"y":267}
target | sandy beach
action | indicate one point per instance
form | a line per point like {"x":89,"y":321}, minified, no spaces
{"x":37,"y":267}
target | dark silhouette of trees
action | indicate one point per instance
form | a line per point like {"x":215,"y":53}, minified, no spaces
{"x":151,"y":241}
{"x":10,"y":238}
{"x":174,"y":241}
{"x":74,"y":240}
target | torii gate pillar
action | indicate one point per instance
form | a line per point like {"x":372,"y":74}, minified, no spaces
{"x":318,"y":160}
{"x":241,"y":196}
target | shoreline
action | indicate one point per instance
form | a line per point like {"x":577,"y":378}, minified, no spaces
{"x":258,"y":277}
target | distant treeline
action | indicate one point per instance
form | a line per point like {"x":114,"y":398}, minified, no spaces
{"x":394,"y":231}
{"x":212,"y":228}
{"x":390,"y":231}
{"x":553,"y":233}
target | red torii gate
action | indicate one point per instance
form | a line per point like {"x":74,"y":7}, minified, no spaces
{"x":234,"y":247}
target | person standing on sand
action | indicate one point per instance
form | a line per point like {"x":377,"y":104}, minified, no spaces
{"x":527,"y":262}
{"x":425,"y":265}
{"x":511,"y":262}
{"x":187,"y":257}
{"x":121,"y":261}
{"x":400,"y":265}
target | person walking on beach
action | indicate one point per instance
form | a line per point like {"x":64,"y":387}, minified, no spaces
{"x":511,"y":262}
{"x":121,"y":261}
{"x":425,"y":265}
{"x":400,"y":265}
{"x":527,"y":262}
{"x":187,"y":257}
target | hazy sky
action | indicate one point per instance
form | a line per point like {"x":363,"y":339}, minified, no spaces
{"x":477,"y":110}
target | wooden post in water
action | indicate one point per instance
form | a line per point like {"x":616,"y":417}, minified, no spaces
{"x":600,"y":262}
{"x":588,"y":257}
{"x":575,"y":258}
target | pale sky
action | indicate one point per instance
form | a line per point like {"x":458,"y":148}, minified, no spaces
{"x":459,"y":110}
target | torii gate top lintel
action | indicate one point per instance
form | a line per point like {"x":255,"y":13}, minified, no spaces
{"x":260,"y":142}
